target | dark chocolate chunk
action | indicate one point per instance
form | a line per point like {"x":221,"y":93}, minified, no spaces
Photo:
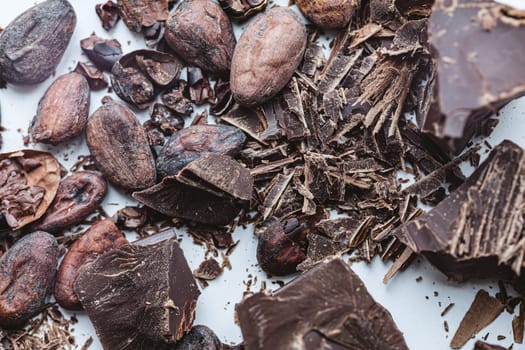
{"x":102,"y":52}
{"x":139,"y":296}
{"x":467,"y":86}
{"x":477,"y":230}
{"x":327,"y":305}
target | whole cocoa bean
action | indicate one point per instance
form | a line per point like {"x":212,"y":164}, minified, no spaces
{"x":327,"y":14}
{"x":120,"y":148}
{"x":200,"y":33}
{"x":63,"y":111}
{"x":190,"y":143}
{"x":77,"y":197}
{"x":101,"y":237}
{"x":266,"y":56}
{"x":32,"y":45}
{"x":27,"y":275}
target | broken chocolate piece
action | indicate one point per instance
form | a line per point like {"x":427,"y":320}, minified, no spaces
{"x":477,"y":231}
{"x":482,"y":312}
{"x":327,"y":305}
{"x":139,"y":297}
{"x":466,"y":40}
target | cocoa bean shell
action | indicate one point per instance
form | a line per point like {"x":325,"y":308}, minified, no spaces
{"x":266,"y":56}
{"x":120,"y":148}
{"x":33,"y":44}
{"x":77,"y":197}
{"x":327,"y":14}
{"x":200,"y":33}
{"x":63,"y":110}
{"x":100,"y":238}
{"x":27,"y":276}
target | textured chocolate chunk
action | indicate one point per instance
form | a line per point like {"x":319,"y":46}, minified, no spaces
{"x":139,"y":296}
{"x":477,"y":231}
{"x":328,"y":305}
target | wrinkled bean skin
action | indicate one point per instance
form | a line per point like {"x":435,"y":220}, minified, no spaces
{"x":266,"y":56}
{"x":77,"y":197}
{"x":101,"y":237}
{"x":199,"y":337}
{"x":27,"y":277}
{"x":327,"y":14}
{"x":33,"y":44}
{"x":190,"y":143}
{"x":63,"y":110}
{"x":120,"y":147}
{"x":200,"y":33}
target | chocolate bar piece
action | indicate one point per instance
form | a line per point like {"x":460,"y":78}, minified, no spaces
{"x":478,"y":231}
{"x":139,"y":296}
{"x":327,"y":307}
{"x":477,"y":47}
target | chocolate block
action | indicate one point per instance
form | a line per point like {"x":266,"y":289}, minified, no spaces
{"x":477,"y":231}
{"x":477,"y":46}
{"x":327,"y":307}
{"x":139,"y":296}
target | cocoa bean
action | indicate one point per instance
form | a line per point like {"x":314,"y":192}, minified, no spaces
{"x":27,"y":275}
{"x":327,"y":14}
{"x":101,"y":237}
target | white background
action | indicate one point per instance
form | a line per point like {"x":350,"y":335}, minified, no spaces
{"x":415,"y":306}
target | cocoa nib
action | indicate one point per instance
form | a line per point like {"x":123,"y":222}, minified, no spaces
{"x":130,"y":218}
{"x":327,"y":307}
{"x":108,"y":14}
{"x":199,"y":337}
{"x":190,"y":143}
{"x":142,"y":13}
{"x":95,"y":78}
{"x":158,"y":306}
{"x":78,"y":196}
{"x":163,"y":123}
{"x":28,"y":183}
{"x":102,"y":52}
{"x":101,"y":237}
{"x":177,"y":99}
{"x":208,"y":270}
{"x":27,"y":275}
{"x":241,"y":10}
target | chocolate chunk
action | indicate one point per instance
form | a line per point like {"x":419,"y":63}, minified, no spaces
{"x":466,"y":40}
{"x":139,"y":296}
{"x":477,"y":230}
{"x":327,"y":305}
{"x":102,"y":52}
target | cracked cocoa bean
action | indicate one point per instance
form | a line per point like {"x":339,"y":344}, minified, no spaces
{"x":27,"y":274}
{"x":101,"y":237}
{"x":120,"y":147}
{"x":77,"y":197}
{"x":33,"y":44}
{"x":63,"y":110}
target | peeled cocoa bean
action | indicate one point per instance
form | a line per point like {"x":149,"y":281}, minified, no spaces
{"x":200,"y":33}
{"x":77,"y":197}
{"x":120,"y":147}
{"x":101,"y":237}
{"x":27,"y":275}
{"x":266,"y":56}
{"x":63,"y":111}
{"x":33,"y":44}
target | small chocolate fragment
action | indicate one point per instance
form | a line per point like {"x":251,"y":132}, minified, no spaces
{"x":95,"y":78}
{"x":78,"y":196}
{"x":102,"y":52}
{"x":476,"y":231}
{"x":142,"y":13}
{"x":208,"y":270}
{"x":191,"y":143}
{"x":482,"y":312}
{"x":484,"y":346}
{"x":467,"y":86}
{"x":101,"y":237}
{"x":199,"y":337}
{"x":108,"y":14}
{"x":327,"y":305}
{"x":241,"y":10}
{"x":139,"y":296}
{"x":27,"y":275}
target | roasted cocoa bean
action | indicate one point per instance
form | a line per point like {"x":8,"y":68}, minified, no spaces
{"x":327,"y":14}
{"x":77,"y":197}
{"x":261,"y":66}
{"x":190,"y":143}
{"x":27,"y":274}
{"x":101,"y":237}
{"x":120,"y":148}
{"x":32,"y":45}
{"x":63,"y":111}
{"x":200,"y":33}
